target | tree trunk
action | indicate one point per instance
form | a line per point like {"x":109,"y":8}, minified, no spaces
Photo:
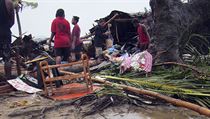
{"x":174,"y":22}
{"x":19,"y":24}
{"x":17,"y":47}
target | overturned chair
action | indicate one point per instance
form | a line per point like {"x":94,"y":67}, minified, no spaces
{"x":80,"y":85}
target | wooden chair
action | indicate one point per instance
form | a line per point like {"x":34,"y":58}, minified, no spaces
{"x":50,"y":88}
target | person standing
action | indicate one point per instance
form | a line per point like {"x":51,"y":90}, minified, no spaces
{"x":101,"y":35}
{"x":143,"y":35}
{"x":6,"y":22}
{"x":76,"y":44}
{"x":61,"y":30}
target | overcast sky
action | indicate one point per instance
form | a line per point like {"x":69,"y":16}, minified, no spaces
{"x":38,"y":21}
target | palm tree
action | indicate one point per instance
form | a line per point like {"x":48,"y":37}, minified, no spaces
{"x":18,"y":6}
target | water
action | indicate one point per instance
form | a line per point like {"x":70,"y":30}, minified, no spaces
{"x":38,"y":21}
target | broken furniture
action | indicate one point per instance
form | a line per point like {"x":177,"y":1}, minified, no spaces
{"x":71,"y":90}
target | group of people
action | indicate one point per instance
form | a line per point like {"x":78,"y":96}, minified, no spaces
{"x":67,"y":45}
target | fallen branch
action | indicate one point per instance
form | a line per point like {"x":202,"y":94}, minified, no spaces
{"x":177,"y":102}
{"x":182,"y":65}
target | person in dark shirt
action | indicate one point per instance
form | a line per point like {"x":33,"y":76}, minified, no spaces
{"x":101,"y":35}
{"x":76,"y":44}
{"x":61,"y":30}
{"x":6,"y":22}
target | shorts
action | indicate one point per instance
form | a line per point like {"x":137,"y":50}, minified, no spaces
{"x":99,"y":52}
{"x":78,"y":48}
{"x":63,"y":52}
{"x":5,"y":48}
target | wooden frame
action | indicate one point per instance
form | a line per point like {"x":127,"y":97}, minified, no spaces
{"x":48,"y":81}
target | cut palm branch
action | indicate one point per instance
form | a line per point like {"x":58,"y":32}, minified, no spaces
{"x":177,"y":102}
{"x":161,"y":87}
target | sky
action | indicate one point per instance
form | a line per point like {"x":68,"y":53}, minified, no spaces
{"x":38,"y":21}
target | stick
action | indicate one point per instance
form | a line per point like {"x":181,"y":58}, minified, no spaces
{"x":89,"y":35}
{"x":111,"y":19}
{"x":117,"y":35}
{"x":180,"y":64}
{"x":177,"y":102}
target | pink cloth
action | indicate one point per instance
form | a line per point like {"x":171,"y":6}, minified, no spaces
{"x":148,"y":62}
{"x":126,"y":64}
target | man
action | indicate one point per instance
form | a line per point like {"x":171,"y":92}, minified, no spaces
{"x":6,"y":22}
{"x":61,"y":31}
{"x":76,"y":44}
{"x":101,"y":35}
{"x":143,"y":35}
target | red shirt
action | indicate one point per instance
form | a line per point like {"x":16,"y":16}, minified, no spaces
{"x":61,"y":28}
{"x":76,"y":32}
{"x":143,"y":37}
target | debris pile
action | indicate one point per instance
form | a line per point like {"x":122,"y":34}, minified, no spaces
{"x":128,"y":76}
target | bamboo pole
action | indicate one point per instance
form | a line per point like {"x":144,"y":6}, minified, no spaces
{"x":176,"y":102}
{"x":166,"y":88}
{"x":17,"y":49}
{"x":111,"y":19}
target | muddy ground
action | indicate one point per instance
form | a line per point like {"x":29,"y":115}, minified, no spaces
{"x":19,"y":105}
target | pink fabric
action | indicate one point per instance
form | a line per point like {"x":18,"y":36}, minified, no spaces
{"x":148,"y":62}
{"x":126,"y":64}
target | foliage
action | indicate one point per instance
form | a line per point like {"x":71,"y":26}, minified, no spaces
{"x":25,"y":3}
{"x":174,"y":82}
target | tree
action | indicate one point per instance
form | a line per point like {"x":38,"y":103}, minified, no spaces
{"x":19,"y":4}
{"x":174,"y":24}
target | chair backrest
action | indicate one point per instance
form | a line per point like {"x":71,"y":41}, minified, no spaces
{"x":49,"y":79}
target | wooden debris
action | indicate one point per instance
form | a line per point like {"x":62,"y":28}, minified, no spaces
{"x":177,"y":102}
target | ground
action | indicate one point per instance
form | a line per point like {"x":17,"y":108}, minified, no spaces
{"x":18,"y":105}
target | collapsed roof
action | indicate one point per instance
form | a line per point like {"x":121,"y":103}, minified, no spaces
{"x":122,"y":28}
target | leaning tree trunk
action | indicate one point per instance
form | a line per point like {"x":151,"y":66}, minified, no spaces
{"x":173,"y":21}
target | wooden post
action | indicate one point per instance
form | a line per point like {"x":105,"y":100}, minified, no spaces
{"x":17,"y":49}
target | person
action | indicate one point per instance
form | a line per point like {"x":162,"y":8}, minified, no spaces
{"x":143,"y":35}
{"x":101,"y":35}
{"x":61,"y":30}
{"x":76,"y":44}
{"x":6,"y":22}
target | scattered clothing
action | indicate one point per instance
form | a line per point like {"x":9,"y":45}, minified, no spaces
{"x":139,"y":62}
{"x":126,"y":65}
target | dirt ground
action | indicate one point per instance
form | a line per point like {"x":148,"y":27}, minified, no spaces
{"x":19,"y":105}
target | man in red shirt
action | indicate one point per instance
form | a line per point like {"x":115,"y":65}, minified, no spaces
{"x":61,"y":33}
{"x":76,"y":44}
{"x":143,"y":35}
